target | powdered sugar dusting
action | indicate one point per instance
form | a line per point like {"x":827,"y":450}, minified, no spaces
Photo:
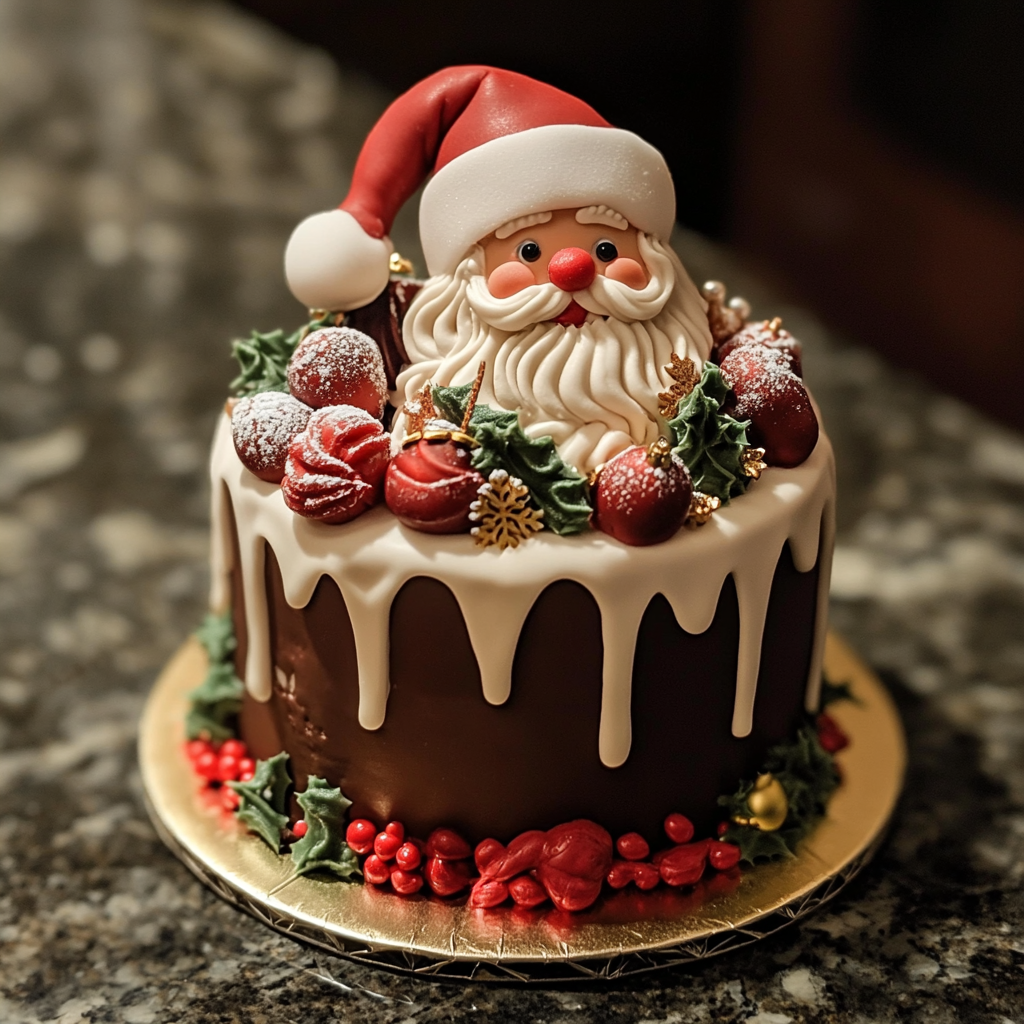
{"x":262,"y":427}
{"x":339,"y":366}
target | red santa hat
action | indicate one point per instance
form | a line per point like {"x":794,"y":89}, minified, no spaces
{"x":500,"y":146}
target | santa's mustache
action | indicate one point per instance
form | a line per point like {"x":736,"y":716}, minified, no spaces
{"x":604,"y":297}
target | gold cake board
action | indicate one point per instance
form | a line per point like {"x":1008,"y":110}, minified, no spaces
{"x":625,"y":933}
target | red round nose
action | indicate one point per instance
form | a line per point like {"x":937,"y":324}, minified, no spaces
{"x":572,"y":270}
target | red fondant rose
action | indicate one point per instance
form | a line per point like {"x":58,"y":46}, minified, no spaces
{"x":336,"y":465}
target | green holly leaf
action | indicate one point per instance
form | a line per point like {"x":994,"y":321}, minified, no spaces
{"x":263,"y":357}
{"x":217,"y":635}
{"x":555,"y":487}
{"x":808,"y":776}
{"x":831,"y":692}
{"x":262,"y":800}
{"x":708,"y":440}
{"x":322,"y":848}
{"x":214,"y":703}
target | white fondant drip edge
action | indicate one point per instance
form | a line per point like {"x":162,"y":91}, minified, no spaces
{"x":371,"y":558}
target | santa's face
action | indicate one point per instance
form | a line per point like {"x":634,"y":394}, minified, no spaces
{"x":564,"y":251}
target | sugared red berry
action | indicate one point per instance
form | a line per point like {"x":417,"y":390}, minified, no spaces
{"x":679,"y":828}
{"x":360,"y":835}
{"x":335,"y":468}
{"x":408,"y":857}
{"x":642,"y":496}
{"x":405,"y":883}
{"x":262,"y":428}
{"x":526,"y":891}
{"x":375,"y":870}
{"x":723,"y":855}
{"x":339,"y":366}
{"x":632,"y":846}
{"x":386,"y":845}
{"x":300,"y":828}
{"x":448,"y":845}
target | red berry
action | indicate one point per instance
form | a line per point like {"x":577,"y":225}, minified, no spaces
{"x":632,"y":846}
{"x":336,"y":466}
{"x":227,"y":768}
{"x":262,"y":428}
{"x":194,"y":748}
{"x":339,"y":366}
{"x":723,"y":827}
{"x":679,"y":828}
{"x":486,"y":851}
{"x":396,"y":829}
{"x":300,"y":828}
{"x":522,"y":854}
{"x":488,"y":893}
{"x":234,"y":748}
{"x":446,"y":877}
{"x":430,"y":485}
{"x":448,"y":845}
{"x":375,"y":870}
{"x":773,"y":398}
{"x":206,"y":765}
{"x":642,"y":496}
{"x":683,"y":865}
{"x":408,"y":857}
{"x":405,"y":883}
{"x":526,"y":891}
{"x":830,"y":736}
{"x":228,"y":798}
{"x":574,"y":863}
{"x":246,"y":765}
{"x":386,"y":845}
{"x":360,"y":835}
{"x":723,"y":855}
{"x":621,"y":874}
{"x":646,"y":876}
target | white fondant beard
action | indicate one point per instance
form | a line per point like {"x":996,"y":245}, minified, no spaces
{"x":593,"y":388}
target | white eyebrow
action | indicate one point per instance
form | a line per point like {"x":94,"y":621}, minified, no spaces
{"x":521,"y":222}
{"x":601,"y":215}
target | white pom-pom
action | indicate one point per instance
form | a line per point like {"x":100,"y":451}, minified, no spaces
{"x":332,"y":263}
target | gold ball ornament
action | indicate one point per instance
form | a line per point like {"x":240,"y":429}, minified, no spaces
{"x":768,"y":804}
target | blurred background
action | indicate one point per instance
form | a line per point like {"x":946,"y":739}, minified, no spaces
{"x":866,"y":157}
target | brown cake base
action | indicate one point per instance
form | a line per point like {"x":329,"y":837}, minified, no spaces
{"x":444,"y":756}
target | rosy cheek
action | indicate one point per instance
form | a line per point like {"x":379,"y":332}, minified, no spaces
{"x":627,"y":272}
{"x":508,"y":279}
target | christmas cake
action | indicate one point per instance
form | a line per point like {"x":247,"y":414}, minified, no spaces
{"x":525,"y":566}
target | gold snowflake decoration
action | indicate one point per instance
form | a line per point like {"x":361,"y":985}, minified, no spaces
{"x":701,"y":507}
{"x":684,"y":379}
{"x":503,"y":512}
{"x":752,"y":460}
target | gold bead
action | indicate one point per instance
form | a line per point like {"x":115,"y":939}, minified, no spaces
{"x":768,"y":804}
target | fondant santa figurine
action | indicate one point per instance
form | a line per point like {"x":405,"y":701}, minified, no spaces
{"x":545,"y":231}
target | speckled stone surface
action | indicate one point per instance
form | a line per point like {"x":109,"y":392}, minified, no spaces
{"x":152,"y":160}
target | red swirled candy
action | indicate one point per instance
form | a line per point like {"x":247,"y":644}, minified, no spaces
{"x":336,"y":465}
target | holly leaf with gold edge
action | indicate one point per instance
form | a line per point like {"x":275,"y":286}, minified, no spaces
{"x":263,"y":357}
{"x":808,"y":776}
{"x":322,"y":848}
{"x":556,"y":488}
{"x":217,"y":635}
{"x":709,"y":441}
{"x":262,"y":800}
{"x":214,"y":703}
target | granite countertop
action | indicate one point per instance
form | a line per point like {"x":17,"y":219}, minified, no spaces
{"x":153,"y":157}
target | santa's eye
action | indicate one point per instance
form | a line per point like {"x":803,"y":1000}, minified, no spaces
{"x":528,"y":251}
{"x":605,"y":251}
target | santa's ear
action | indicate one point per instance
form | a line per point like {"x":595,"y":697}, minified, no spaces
{"x":332,"y":263}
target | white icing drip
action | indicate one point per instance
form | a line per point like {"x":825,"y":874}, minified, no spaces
{"x":372,"y":557}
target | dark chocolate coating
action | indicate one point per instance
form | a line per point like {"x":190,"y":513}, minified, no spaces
{"x":444,"y":756}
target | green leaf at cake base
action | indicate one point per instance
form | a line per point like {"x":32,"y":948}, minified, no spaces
{"x":214,"y":704}
{"x":263,"y":357}
{"x":322,"y":848}
{"x":263,"y":799}
{"x":217,"y":635}
{"x":555,"y":487}
{"x":709,"y":441}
